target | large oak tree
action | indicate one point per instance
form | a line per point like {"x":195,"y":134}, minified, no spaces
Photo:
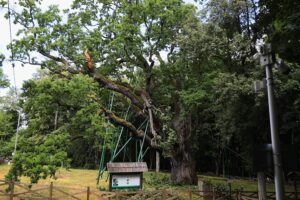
{"x":122,"y":40}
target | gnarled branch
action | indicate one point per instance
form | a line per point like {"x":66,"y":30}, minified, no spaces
{"x":109,"y":84}
{"x":128,"y":125}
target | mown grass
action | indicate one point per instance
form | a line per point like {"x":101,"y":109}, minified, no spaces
{"x":68,"y":178}
{"x":152,"y":181}
{"x":241,"y":184}
{"x":70,"y":181}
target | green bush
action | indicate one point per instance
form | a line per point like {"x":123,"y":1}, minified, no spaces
{"x":157,"y":179}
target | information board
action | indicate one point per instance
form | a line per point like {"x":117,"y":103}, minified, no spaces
{"x":125,"y":180}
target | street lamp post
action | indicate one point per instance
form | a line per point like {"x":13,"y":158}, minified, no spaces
{"x":267,"y":60}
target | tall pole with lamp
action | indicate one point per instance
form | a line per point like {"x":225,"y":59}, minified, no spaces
{"x":267,"y":60}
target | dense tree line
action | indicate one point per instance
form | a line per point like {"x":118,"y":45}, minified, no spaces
{"x":189,"y":74}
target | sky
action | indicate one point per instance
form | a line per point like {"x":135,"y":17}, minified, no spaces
{"x":21,"y":73}
{"x":25,"y":72}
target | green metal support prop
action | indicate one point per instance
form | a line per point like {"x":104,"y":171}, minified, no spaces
{"x":117,"y":139}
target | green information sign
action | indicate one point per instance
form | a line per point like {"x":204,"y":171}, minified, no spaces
{"x":125,"y":181}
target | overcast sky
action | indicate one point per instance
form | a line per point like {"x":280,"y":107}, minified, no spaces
{"x":26,"y":72}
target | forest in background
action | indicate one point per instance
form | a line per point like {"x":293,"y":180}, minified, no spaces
{"x":189,"y":74}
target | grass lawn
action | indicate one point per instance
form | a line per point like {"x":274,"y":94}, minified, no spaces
{"x":245,"y":184}
{"x":68,"y":178}
{"x":82,"y":178}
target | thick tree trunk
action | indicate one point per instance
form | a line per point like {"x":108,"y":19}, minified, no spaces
{"x":183,"y":170}
{"x":183,"y":167}
{"x":182,"y":163}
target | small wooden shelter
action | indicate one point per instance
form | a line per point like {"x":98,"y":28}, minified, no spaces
{"x":124,"y":175}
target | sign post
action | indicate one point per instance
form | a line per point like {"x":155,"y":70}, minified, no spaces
{"x":126,"y":175}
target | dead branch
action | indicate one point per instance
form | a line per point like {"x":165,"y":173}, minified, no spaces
{"x":149,"y":109}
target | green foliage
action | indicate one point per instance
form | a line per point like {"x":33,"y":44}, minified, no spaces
{"x":197,"y":70}
{"x":6,"y":125}
{"x":157,"y":180}
{"x":58,"y":111}
{"x":135,"y":32}
{"x":279,"y":19}
{"x":171,"y":138}
{"x":7,"y":116}
{"x":6,"y":134}
{"x":39,"y":156}
{"x":4,"y":82}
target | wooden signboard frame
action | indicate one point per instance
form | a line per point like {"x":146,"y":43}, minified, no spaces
{"x":126,"y":175}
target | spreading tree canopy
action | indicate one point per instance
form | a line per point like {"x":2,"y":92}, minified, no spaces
{"x":124,"y":42}
{"x":190,"y":75}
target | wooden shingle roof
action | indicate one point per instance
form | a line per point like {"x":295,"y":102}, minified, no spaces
{"x":127,"y":167}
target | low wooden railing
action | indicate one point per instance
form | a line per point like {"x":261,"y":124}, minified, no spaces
{"x":15,"y":190}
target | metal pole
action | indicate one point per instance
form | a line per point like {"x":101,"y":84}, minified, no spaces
{"x":278,"y":171}
{"x":17,"y":132}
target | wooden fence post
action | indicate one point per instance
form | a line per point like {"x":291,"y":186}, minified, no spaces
{"x":12,"y":187}
{"x":164,"y":194}
{"x":237,"y":195}
{"x":214,"y":194}
{"x":117,"y":195}
{"x":51,"y":191}
{"x":190,"y":194}
{"x":88,"y":193}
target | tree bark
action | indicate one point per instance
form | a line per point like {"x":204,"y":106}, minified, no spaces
{"x":182,"y":163}
{"x":183,"y":169}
